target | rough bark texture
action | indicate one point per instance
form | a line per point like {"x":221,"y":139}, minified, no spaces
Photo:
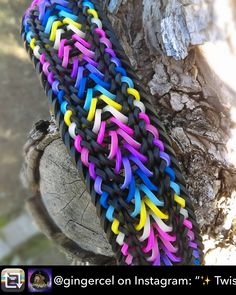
{"x":192,"y":101}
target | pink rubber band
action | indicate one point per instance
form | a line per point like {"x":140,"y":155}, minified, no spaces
{"x":66,"y":56}
{"x":101,"y":133}
{"x":114,"y":144}
{"x":84,"y":50}
{"x":61,"y":48}
{"x":124,"y":127}
{"x":45,"y":68}
{"x":153,"y":130}
{"x":124,"y":249}
{"x":150,"y":243}
{"x":128,"y":139}
{"x":77,"y":143}
{"x":188,"y":224}
{"x":85,"y":156}
{"x":81,"y":40}
{"x":100,"y":32}
{"x":106,"y":42}
{"x":143,"y":116}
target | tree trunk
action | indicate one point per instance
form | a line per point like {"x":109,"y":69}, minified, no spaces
{"x":193,"y":97}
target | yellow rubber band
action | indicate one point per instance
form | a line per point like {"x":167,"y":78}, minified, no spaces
{"x":69,"y":21}
{"x":115,"y":226}
{"x":92,"y":110}
{"x":111,"y":102}
{"x":33,"y":43}
{"x":93,"y":12}
{"x":54,"y":30}
{"x":134,"y":92}
{"x":143,"y":216}
{"x":67,"y":117}
{"x":179,"y":200}
{"x":155,"y":210}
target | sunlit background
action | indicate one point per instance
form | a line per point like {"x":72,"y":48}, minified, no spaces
{"x":20,"y":241}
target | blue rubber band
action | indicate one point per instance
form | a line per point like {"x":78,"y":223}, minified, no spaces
{"x":151,"y":196}
{"x":109,"y":213}
{"x":59,"y":7}
{"x":82,"y":88}
{"x":46,"y":17}
{"x":137,"y":203}
{"x":60,"y":96}
{"x":48,"y":27}
{"x":132,"y":187}
{"x":125,"y":79}
{"x":175,"y":187}
{"x":88,"y":4}
{"x":146,"y":180}
{"x":69,"y":15}
{"x":88,"y":99}
{"x":121,"y":70}
{"x":104,"y":91}
{"x":64,"y":107}
{"x":170,"y":172}
{"x":99,"y":81}
{"x":103,"y":200}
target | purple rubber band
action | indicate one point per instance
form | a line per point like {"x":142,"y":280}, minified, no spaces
{"x":50,"y":78}
{"x":135,"y":153}
{"x":141,"y":166}
{"x":168,"y":245}
{"x":75,"y":67}
{"x":159,"y":144}
{"x":98,"y":185}
{"x":92,"y":172}
{"x":111,"y":52}
{"x":128,"y":139}
{"x":191,"y":235}
{"x":124,"y":127}
{"x":192,"y":245}
{"x":101,"y":133}
{"x":94,"y":70}
{"x":165,"y":157}
{"x":81,"y":40}
{"x":158,"y":260}
{"x":114,"y":144}
{"x":89,"y":60}
{"x":55,"y":85}
{"x":170,"y":255}
{"x":116,"y":61}
{"x":79,"y":76}
{"x":118,"y":161}
{"x":128,"y":173}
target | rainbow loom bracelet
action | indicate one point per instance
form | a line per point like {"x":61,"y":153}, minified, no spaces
{"x":112,"y":134}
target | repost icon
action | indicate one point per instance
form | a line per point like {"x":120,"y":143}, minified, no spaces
{"x":13,"y":280}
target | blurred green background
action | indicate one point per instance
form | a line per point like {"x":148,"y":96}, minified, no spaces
{"x":22,"y":103}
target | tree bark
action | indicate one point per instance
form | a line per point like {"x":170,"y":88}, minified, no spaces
{"x":161,"y":39}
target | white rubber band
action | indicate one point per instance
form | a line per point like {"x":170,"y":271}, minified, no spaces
{"x":146,"y":230}
{"x":120,"y":238}
{"x":36,"y":51}
{"x":76,"y":30}
{"x":116,"y":114}
{"x":58,"y":38}
{"x":184,"y":212}
{"x":162,"y":225}
{"x":72,"y":130}
{"x":97,"y":121}
{"x":140,"y":105}
{"x":97,"y":22}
